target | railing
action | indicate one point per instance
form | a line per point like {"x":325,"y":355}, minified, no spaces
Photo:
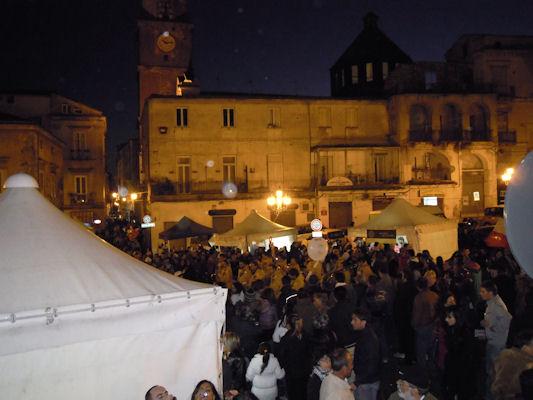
{"x":77,"y":154}
{"x":168,"y":187}
{"x":420,"y":135}
{"x":507,"y":137}
{"x":451,"y":135}
{"x":364,"y":180}
{"x":88,"y":199}
{"x":479,"y":135}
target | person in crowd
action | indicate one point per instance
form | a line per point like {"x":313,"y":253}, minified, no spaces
{"x":367,"y":357}
{"x":335,"y":385}
{"x":423,"y":321}
{"x":455,"y":351}
{"x":412,"y":384}
{"x":233,"y":363}
{"x":403,"y":312}
{"x":205,"y":390}
{"x":294,"y":357}
{"x":496,"y":323}
{"x":158,"y":393}
{"x":340,"y":316}
{"x":268,"y":315}
{"x":510,"y":364}
{"x":263,"y":372}
{"x":526,"y":384}
{"x":321,"y":369}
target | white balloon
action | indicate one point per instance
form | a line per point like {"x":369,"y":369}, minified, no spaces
{"x":317,"y":249}
{"x":518,"y":214}
{"x":229,"y":190}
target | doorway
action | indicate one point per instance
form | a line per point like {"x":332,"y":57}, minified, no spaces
{"x":340,"y":214}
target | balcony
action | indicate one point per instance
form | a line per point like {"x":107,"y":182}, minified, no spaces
{"x":77,"y":154}
{"x":451,"y":135}
{"x":167,"y":187}
{"x":508,"y":137}
{"x":476,"y":135}
{"x":83,"y":199}
{"x":421,"y":135}
{"x":359,"y":181}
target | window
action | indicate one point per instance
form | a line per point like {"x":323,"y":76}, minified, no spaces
{"x":499,"y":75}
{"x":80,"y":189}
{"x":228,"y":167}
{"x":79,"y":141}
{"x":369,"y":72}
{"x":184,"y":175}
{"x":385,"y":70}
{"x":355,"y":74}
{"x":430,"y":79}
{"x":351,"y":117}
{"x":274,"y":117}
{"x":182,"y":117}
{"x":64,"y":108}
{"x":228,"y":117}
{"x":324,"y":117}
{"x":379,"y":167}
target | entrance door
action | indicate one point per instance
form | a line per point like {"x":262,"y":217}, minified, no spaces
{"x":340,"y":214}
{"x":222,"y":223}
{"x":473,"y":193}
{"x":473,"y":177}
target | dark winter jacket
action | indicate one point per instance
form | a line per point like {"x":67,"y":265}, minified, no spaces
{"x":367,"y":357}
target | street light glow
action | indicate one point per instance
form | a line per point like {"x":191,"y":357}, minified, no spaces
{"x":114,"y":195}
{"x":134,"y":196}
{"x":507,"y":175}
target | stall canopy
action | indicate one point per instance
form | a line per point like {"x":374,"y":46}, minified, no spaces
{"x":254,"y":228}
{"x":422,"y":230}
{"x":185,"y":228}
{"x":79,"y":318}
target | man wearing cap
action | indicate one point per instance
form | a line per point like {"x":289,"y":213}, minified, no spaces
{"x":412,"y":384}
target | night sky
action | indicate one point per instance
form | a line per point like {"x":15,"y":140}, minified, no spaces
{"x":86,"y":49}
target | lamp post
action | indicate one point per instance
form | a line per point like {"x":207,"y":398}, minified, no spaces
{"x":507,"y":175}
{"x":279,"y":202}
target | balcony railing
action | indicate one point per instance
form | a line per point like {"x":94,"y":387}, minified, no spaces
{"x":451,"y":135}
{"x":362,"y":180}
{"x":420,"y":135}
{"x":168,"y":187}
{"x":476,"y":135}
{"x":507,"y":137}
{"x":77,"y":154}
{"x":88,"y":199}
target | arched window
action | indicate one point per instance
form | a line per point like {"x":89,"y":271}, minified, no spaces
{"x":479,"y":122}
{"x":419,"y":123}
{"x":451,"y":124}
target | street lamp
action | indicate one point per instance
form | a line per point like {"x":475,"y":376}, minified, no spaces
{"x":279,"y":201}
{"x":507,"y":175}
{"x":134,"y":196}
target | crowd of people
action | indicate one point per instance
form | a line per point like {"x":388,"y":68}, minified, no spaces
{"x":367,"y":322}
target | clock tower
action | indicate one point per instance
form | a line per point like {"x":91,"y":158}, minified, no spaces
{"x":165,"y":43}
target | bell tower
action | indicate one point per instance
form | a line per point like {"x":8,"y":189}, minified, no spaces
{"x":165,"y":44}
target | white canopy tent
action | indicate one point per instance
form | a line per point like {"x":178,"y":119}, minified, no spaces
{"x":258,"y":229}
{"x":423,"y":230}
{"x":81,"y":319}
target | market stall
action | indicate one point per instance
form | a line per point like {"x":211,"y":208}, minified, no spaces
{"x":401,"y":222}
{"x":256,"y":230}
{"x":79,"y":318}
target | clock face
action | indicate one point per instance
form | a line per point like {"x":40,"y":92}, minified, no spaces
{"x":166,"y":42}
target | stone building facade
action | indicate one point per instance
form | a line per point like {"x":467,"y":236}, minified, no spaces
{"x":433,"y":133}
{"x":28,"y":148}
{"x":81,"y":130}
